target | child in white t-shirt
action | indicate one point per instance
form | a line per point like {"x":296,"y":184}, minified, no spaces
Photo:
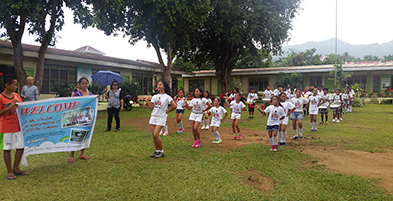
{"x":314,"y":102}
{"x":297,"y":114}
{"x":205,"y":117}
{"x":282,"y":130}
{"x":217,"y":112}
{"x":346,"y":99}
{"x":196,"y":115}
{"x":251,"y":98}
{"x":181,"y":103}
{"x":351,"y":97}
{"x":159,"y":105}
{"x":237,"y":107}
{"x":276,"y":114}
{"x":337,"y":100}
{"x":325,"y":111}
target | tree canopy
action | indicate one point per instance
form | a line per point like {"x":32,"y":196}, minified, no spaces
{"x":236,"y":28}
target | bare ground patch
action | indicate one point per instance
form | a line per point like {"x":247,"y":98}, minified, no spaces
{"x":260,"y":182}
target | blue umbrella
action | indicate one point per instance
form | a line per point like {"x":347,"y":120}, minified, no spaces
{"x":106,"y":77}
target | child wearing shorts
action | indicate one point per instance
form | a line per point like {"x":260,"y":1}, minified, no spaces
{"x":276,"y":114}
{"x":251,"y":98}
{"x":196,"y":115}
{"x":13,"y":137}
{"x":325,"y":111}
{"x":282,"y":130}
{"x":159,"y":105}
{"x":181,"y":103}
{"x":314,"y":102}
{"x":217,"y":112}
{"x":237,"y":107}
{"x":346,"y":97}
{"x":205,"y":117}
{"x":297,"y":113}
{"x":337,"y":100}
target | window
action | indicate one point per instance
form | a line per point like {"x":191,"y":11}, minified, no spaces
{"x":258,"y":84}
{"x":58,"y":73}
{"x":315,"y":81}
{"x":358,"y":79}
{"x":376,"y":84}
{"x":193,"y":84}
{"x":146,"y":82}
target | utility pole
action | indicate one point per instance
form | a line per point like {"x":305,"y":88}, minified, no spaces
{"x":335,"y":60}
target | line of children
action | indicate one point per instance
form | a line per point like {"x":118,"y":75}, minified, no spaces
{"x":276,"y":114}
{"x":217,"y":112}
{"x":196,"y":105}
{"x":159,"y":107}
{"x":237,"y":107}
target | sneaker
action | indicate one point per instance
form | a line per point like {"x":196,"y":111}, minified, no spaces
{"x":334,"y":120}
{"x":240,"y":136}
{"x":326,"y":123}
{"x":165,"y":134}
{"x":179,"y":131}
{"x":252,"y":117}
{"x":195,"y":142}
{"x":312,"y":130}
{"x":301,"y":136}
{"x":160,"y":132}
{"x":315,"y":130}
{"x":154,"y":154}
{"x":249,"y":117}
{"x":203,"y":128}
{"x":106,"y":130}
{"x":338,"y":121}
{"x":341,"y":119}
{"x":117,"y":129}
{"x":321,"y":123}
{"x":280,"y":143}
{"x":271,"y":149}
{"x":284,"y":144}
{"x":198,"y":144}
{"x":275,"y":148}
{"x":234,"y":137}
{"x":214,"y":141}
{"x":218,"y":141}
{"x":159,"y":155}
{"x":294,"y":138}
{"x":207,"y":127}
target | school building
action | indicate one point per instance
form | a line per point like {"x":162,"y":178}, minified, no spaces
{"x":374,"y":77}
{"x":69,"y":66}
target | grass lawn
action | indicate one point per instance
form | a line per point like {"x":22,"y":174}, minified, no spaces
{"x":120,"y":167}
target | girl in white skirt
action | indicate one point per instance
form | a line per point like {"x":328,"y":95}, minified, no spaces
{"x":237,"y":107}
{"x":217,"y":112}
{"x":282,"y":130}
{"x":159,"y":105}
{"x":196,"y":115}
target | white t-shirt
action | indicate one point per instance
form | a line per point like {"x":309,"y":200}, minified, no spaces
{"x":314,"y":101}
{"x":275,"y":114}
{"x":337,"y":99}
{"x":287,"y":106}
{"x":345,"y":97}
{"x":298,"y":102}
{"x":237,"y":107}
{"x":319,"y":93}
{"x":180,"y":103}
{"x":307,"y":94}
{"x":352,"y":92}
{"x":290,"y":96}
{"x":251,"y":97}
{"x":208,"y":101}
{"x":268,"y":93}
{"x":217,"y":113}
{"x":232,"y":97}
{"x":161,"y":102}
{"x":197,"y":105}
{"x":327,"y":97}
{"x":276,"y":91}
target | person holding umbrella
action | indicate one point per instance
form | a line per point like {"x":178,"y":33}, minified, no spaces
{"x":115,"y":105}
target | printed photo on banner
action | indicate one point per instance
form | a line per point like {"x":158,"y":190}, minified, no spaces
{"x":77,"y":118}
{"x":78,"y":136}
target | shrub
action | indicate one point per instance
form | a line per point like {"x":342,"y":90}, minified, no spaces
{"x":357,"y":102}
{"x":96,"y":88}
{"x":132,"y":88}
{"x":62,"y":89}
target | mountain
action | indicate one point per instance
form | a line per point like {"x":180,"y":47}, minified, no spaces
{"x":328,"y":47}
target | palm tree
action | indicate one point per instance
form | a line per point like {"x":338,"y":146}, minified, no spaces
{"x":292,"y":79}
{"x":341,"y":76}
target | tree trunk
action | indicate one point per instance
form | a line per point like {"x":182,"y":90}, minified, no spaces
{"x":223,"y":73}
{"x":166,"y":70}
{"x":46,"y":38}
{"x":16,"y":33}
{"x":18,"y":63}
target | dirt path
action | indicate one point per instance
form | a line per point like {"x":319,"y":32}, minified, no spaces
{"x":351,"y":162}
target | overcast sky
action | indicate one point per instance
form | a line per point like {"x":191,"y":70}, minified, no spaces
{"x":359,"y":22}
